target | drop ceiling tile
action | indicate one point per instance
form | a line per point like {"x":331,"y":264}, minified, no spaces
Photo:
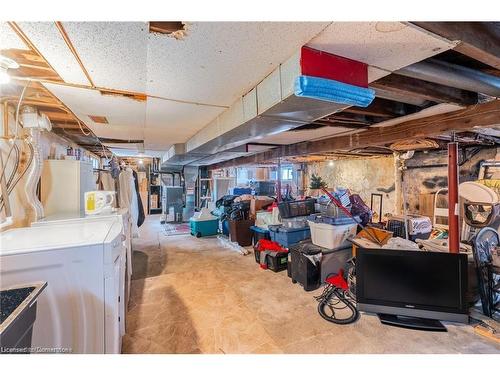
{"x":48,"y":40}
{"x":116,"y":131}
{"x":9,"y":39}
{"x":178,"y":121}
{"x":114,"y":53}
{"x":119,"y":111}
{"x":386,"y":45}
{"x":217,"y":62}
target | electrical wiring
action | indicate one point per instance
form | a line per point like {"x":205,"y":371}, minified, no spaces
{"x":81,"y":129}
{"x":16,"y":129}
{"x":16,"y":165}
{"x":11,"y":187}
{"x":14,"y":170}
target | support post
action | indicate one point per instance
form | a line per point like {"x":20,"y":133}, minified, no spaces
{"x":278,"y":184}
{"x":453,"y":208}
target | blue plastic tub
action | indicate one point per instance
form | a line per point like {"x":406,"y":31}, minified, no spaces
{"x":288,"y":236}
{"x":204,"y":228}
{"x":240,"y":191}
{"x":259,"y":234}
{"x":225,"y":227}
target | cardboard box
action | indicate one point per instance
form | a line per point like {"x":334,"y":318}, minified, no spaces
{"x":368,"y":236}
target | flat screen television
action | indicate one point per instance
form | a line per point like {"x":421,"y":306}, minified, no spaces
{"x":402,"y":284}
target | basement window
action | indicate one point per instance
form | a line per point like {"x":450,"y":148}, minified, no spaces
{"x":287,"y":174}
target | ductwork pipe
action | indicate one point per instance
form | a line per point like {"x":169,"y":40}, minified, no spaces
{"x":453,"y":75}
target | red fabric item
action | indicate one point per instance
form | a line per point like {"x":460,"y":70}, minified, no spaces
{"x":338,"y":280}
{"x":264,"y":244}
{"x":270,"y":208}
{"x":321,"y":64}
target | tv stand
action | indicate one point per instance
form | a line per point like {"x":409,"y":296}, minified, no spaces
{"x":412,"y":323}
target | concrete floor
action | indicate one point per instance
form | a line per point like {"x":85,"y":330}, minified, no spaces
{"x":191,"y":296}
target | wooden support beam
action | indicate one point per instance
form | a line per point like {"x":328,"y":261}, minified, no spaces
{"x":478,"y":115}
{"x":407,"y":86}
{"x":479,"y":40}
{"x":381,"y":108}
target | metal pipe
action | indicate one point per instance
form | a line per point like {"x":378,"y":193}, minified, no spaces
{"x":453,"y":75}
{"x":453,"y":206}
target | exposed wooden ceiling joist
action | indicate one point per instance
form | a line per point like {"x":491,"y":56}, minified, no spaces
{"x":478,"y":115}
{"x":383,"y":108}
{"x":479,"y":40}
{"x":407,"y":86}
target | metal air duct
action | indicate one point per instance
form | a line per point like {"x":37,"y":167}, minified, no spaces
{"x":453,"y":75}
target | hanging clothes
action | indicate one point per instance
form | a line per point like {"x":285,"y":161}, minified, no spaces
{"x":128,"y":197}
{"x":141,"y":217}
{"x":107,"y":181}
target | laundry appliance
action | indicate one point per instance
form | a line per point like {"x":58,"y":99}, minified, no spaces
{"x":123,"y":216}
{"x":82,"y":265}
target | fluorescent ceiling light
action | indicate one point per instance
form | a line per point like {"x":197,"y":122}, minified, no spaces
{"x":4,"y":77}
{"x":6,"y":63}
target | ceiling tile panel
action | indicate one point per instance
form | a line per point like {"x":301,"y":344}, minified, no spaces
{"x":217,"y":62}
{"x":49,"y":41}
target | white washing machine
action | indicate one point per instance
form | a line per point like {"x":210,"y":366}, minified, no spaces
{"x":124,"y":217}
{"x":82,"y":263}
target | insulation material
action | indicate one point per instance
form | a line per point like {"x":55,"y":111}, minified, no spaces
{"x":333,"y":91}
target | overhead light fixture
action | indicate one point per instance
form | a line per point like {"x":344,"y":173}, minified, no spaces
{"x":330,"y":163}
{"x":6,"y":63}
{"x":141,"y":161}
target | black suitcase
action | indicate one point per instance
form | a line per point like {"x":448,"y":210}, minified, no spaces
{"x":303,"y":270}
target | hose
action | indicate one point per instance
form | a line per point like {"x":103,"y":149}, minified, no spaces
{"x":333,"y":301}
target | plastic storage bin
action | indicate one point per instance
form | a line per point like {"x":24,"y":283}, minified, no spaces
{"x":203,"y":228}
{"x":276,"y":261}
{"x":305,"y":265}
{"x":296,"y":208}
{"x":288,"y":236}
{"x":259,"y":234}
{"x":332,"y":236}
{"x":240,"y":191}
{"x":264,"y":188}
{"x":295,"y":222}
{"x":239,"y":231}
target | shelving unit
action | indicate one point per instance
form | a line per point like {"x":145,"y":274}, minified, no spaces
{"x":154,"y":193}
{"x":203,"y":189}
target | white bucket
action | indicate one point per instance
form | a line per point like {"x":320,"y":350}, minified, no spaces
{"x":331,"y":236}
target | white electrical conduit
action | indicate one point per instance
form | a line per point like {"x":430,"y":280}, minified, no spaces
{"x":34,"y":176}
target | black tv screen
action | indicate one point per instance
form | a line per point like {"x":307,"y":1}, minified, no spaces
{"x":412,"y":279}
